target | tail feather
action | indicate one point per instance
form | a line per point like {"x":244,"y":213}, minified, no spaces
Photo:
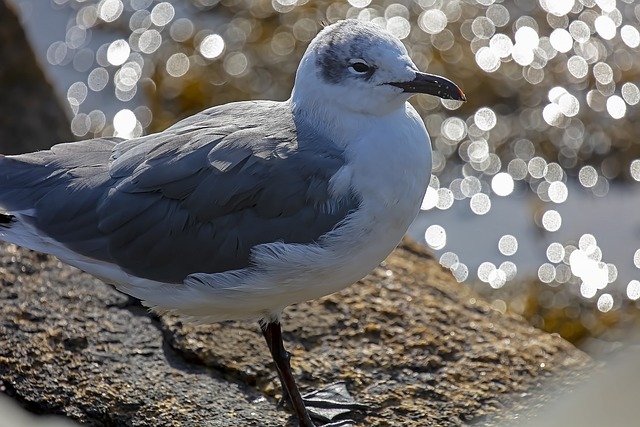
{"x":6,"y":218}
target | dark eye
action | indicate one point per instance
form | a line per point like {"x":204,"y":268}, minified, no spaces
{"x":359,"y":67}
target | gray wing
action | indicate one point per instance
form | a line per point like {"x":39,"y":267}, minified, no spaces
{"x":194,"y":198}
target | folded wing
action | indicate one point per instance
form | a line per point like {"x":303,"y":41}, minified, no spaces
{"x":194,"y":198}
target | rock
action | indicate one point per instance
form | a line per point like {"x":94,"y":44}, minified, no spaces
{"x":414,"y":345}
{"x":31,"y":117}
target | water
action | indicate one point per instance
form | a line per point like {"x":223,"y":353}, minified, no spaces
{"x":475,"y":238}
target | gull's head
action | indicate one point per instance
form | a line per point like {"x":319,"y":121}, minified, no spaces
{"x":362,"y":68}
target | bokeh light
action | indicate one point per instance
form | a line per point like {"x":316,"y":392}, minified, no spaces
{"x":508,"y":245}
{"x":436,"y":237}
{"x":212,"y":46}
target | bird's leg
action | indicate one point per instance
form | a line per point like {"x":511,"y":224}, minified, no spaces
{"x":273,"y":335}
{"x":285,"y":395}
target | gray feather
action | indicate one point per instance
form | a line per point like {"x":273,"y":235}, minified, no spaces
{"x":194,"y":198}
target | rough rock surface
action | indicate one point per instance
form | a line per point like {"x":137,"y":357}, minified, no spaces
{"x":414,"y":345}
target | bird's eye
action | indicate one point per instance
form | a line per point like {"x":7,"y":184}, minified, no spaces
{"x":359,"y":67}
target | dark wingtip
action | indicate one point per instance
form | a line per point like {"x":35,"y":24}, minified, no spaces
{"x":6,"y":218}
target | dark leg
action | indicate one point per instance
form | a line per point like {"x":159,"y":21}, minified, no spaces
{"x":273,"y":335}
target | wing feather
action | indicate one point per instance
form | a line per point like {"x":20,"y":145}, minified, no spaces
{"x":194,"y":198}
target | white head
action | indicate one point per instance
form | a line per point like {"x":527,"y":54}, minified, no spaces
{"x":364,"y":69}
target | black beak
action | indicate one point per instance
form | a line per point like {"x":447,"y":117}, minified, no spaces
{"x":432,"y":85}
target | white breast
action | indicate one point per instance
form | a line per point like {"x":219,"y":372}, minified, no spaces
{"x":391,"y":168}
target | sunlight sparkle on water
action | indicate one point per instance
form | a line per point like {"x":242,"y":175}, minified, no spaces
{"x":605,"y":303}
{"x":359,"y":3}
{"x":555,"y":252}
{"x":110,"y":10}
{"x":460,"y":271}
{"x":517,"y":168}
{"x":436,"y":237}
{"x":480,"y":204}
{"x":508,"y":245}
{"x":551,"y":220}
{"x":470,"y":186}
{"x":77,"y":93}
{"x":488,"y":59}
{"x":636,"y":258}
{"x":594,"y":274}
{"x":605,"y":27}
{"x":603,"y":73}
{"x":430,"y":199}
{"x":399,"y":27}
{"x":630,"y":93}
{"x":445,"y":198}
{"x":484,"y":270}
{"x":118,"y":52}
{"x":522,"y":54}
{"x":587,"y":243}
{"x":181,"y":29}
{"x":580,"y":31}
{"x":483,"y":27}
{"x":497,"y":278}
{"x":633,"y":290}
{"x":587,"y":290}
{"x":485,"y":118}
{"x":162,"y":14}
{"x":212,"y":46}
{"x":557,"y":7}
{"x":98,"y":79}
{"x":578,"y":66}
{"x":561,"y":40}
{"x":236,"y":63}
{"x":588,"y":176}
{"x":502,"y":184}
{"x":454,"y":128}
{"x":149,"y":41}
{"x":501,"y":45}
{"x":527,"y":38}
{"x":124,"y":123}
{"x":546,"y":273}
{"x":558,"y":192}
{"x":177,"y":64}
{"x":510,"y":270}
{"x":432,"y":21}
{"x":537,"y":167}
{"x":613,"y":273}
{"x":616,"y":107}
{"x":635,"y":169}
{"x":448,"y":259}
{"x":630,"y":36}
{"x":563,"y":273}
{"x":498,"y":14}
{"x":554,"y":173}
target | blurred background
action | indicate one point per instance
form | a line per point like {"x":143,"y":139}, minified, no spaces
{"x":534,"y":195}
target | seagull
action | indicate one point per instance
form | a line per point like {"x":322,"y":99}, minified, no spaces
{"x":245,"y":208}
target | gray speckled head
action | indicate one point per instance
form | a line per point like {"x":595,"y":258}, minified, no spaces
{"x":360,"y":67}
{"x":349,"y":66}
{"x":351,"y":49}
